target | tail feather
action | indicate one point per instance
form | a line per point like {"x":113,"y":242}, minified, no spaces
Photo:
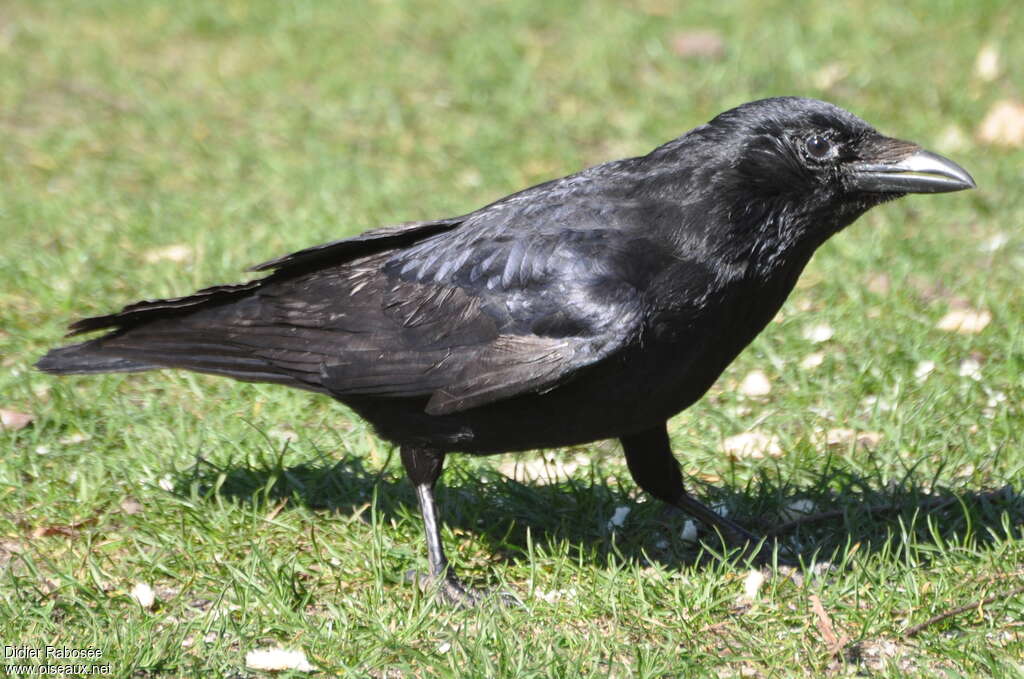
{"x":86,"y":359}
{"x":135,"y":351}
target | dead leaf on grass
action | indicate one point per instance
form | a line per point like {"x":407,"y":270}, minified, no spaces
{"x":829,"y":75}
{"x":818,"y":333}
{"x":131,"y":506}
{"x":12,"y":420}
{"x":988,"y":63}
{"x":965,"y":321}
{"x":842,"y":437}
{"x":970,"y":368}
{"x":879,"y":283}
{"x":69,"y":530}
{"x":752,"y":444}
{"x":952,"y":139}
{"x":699,"y":44}
{"x":546,"y":468}
{"x":812,"y":361}
{"x":1003,"y":125}
{"x":168,"y":253}
{"x":833,"y":642}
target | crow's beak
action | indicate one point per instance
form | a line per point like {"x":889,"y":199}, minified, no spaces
{"x":900,"y":167}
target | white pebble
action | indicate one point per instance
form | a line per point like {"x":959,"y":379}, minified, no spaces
{"x":812,"y":361}
{"x":994,"y":243}
{"x":923,"y":370}
{"x":798,"y":508}
{"x":618,"y":518}
{"x":822,"y":332}
{"x":277,"y":659}
{"x":752,"y":584}
{"x":720,"y":508}
{"x":970,"y":368}
{"x":755,"y":384}
{"x":143,"y":595}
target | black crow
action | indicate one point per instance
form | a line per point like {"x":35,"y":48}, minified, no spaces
{"x":593,"y":306}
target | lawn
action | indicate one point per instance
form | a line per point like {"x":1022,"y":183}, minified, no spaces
{"x":150,"y":148}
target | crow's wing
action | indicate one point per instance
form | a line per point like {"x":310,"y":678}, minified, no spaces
{"x":473,"y":319}
{"x":515,"y":298}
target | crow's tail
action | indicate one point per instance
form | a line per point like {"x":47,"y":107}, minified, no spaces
{"x":88,"y":358}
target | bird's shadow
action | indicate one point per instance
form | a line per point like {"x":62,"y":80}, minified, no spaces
{"x":815,"y":521}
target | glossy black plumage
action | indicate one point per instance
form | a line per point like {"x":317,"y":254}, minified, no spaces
{"x":593,"y":306}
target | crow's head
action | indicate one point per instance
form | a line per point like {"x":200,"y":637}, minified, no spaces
{"x":813,"y":168}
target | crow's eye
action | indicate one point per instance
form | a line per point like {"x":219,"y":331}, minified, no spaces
{"x":818,"y":147}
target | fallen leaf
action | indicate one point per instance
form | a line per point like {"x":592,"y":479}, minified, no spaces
{"x":970,"y":367}
{"x":812,"y":361}
{"x":277,"y":660}
{"x":556,"y":595}
{"x":1003,"y":125}
{"x":545,"y":468}
{"x":275,"y":510}
{"x":995,"y":243}
{"x":821,"y":332}
{"x":879,"y":284}
{"x":829,"y":75}
{"x":833,"y":642}
{"x":699,"y":44}
{"x":987,"y":65}
{"x":923,"y":370}
{"x":755,"y":384}
{"x":953,"y":138}
{"x":843,"y":437}
{"x":170,"y":253}
{"x":12,"y":420}
{"x":131,"y":506}
{"x":752,"y":444}
{"x":965,"y":321}
{"x":875,"y":403}
{"x":66,"y":529}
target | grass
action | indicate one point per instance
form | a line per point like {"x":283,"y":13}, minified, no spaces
{"x":242,"y":130}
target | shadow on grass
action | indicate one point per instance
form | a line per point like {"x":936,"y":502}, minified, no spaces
{"x":508,"y":515}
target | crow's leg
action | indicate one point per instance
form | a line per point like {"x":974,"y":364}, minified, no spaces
{"x":423,"y":466}
{"x":650,"y":460}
